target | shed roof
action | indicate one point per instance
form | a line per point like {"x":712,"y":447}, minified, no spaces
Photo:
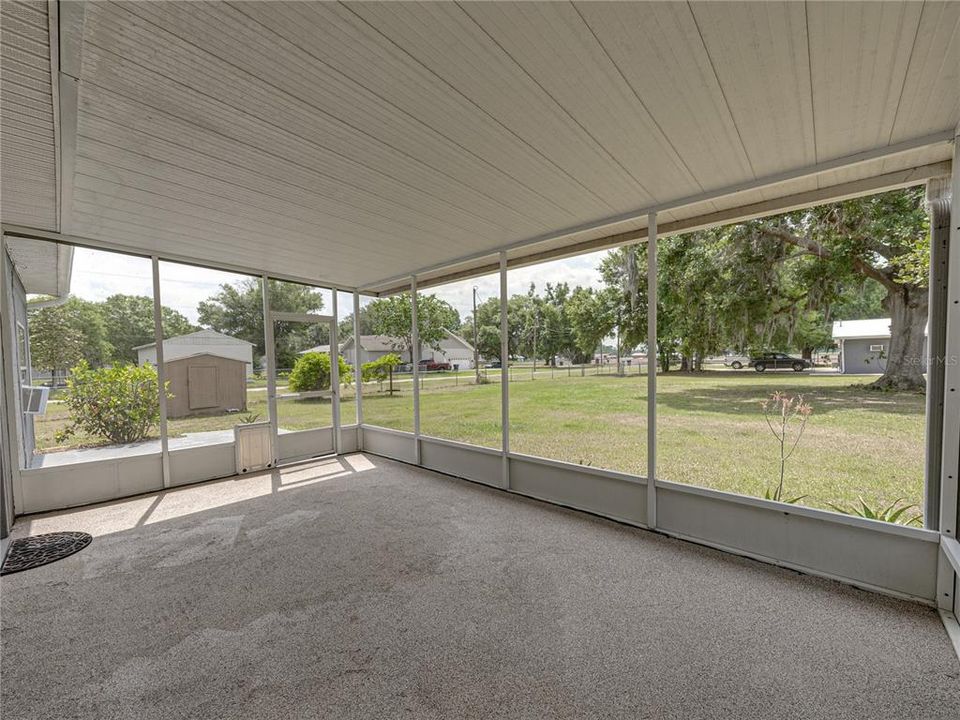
{"x":194,"y":356}
{"x":200,"y":337}
{"x":864,"y":329}
{"x":854,"y":329}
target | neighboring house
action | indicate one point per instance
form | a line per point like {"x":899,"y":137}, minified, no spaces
{"x":864,"y":345}
{"x":203,"y":341}
{"x":34,"y":268}
{"x":453,"y":349}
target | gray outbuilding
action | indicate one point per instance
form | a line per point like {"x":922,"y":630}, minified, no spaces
{"x":205,"y":384}
{"x":864,"y":345}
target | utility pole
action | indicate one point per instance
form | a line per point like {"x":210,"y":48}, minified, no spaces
{"x":476,"y":352}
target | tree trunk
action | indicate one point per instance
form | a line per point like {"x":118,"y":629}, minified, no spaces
{"x":664,"y":356}
{"x":905,"y":359}
{"x":807,"y":353}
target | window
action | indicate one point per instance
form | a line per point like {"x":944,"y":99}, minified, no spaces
{"x":347,"y":396}
{"x":804,"y":429}
{"x":578,"y":360}
{"x":386,"y":352}
{"x":303,"y":355}
{"x":460,"y":349}
{"x":213,"y":353}
{"x":88,"y":340}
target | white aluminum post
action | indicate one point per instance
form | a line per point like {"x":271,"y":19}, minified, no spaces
{"x":504,"y":372}
{"x":268,"y":345}
{"x":938,"y":210}
{"x":950,"y":462}
{"x":335,"y":377}
{"x":357,"y":369}
{"x":161,"y":371}
{"x":415,"y":358}
{"x":652,"y":371}
{"x":11,"y":380}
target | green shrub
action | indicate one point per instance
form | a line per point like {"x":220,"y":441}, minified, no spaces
{"x":380,"y":368}
{"x":119,"y":403}
{"x":312,"y":372}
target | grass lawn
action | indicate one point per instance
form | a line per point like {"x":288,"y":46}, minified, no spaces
{"x":711,"y":430}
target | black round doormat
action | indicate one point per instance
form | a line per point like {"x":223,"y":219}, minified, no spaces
{"x":38,"y":550}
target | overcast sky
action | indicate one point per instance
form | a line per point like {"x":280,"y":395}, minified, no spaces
{"x":97,"y":275}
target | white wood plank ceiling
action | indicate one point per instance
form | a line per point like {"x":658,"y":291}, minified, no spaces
{"x":358,"y":143}
{"x":28,"y":174}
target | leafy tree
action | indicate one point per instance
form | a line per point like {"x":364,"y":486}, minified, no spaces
{"x":590,"y":318}
{"x":558,"y":337}
{"x":777,"y":283}
{"x":381,"y":369}
{"x":56,"y":343}
{"x":345,"y":328}
{"x":312,"y":372}
{"x":237,"y":310}
{"x":62,"y":335}
{"x":392,"y":317}
{"x":882,"y":237}
{"x":619,"y":308}
{"x":623,"y":272}
{"x":120,"y":404}
{"x":519,"y":334}
{"x":128,"y":321}
{"x":693,"y":299}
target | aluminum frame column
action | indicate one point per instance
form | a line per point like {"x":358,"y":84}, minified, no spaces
{"x":269,"y":345}
{"x":161,"y":371}
{"x":652,"y":371}
{"x":415,"y":357}
{"x":357,"y":369}
{"x":335,"y":377}
{"x":504,"y":373}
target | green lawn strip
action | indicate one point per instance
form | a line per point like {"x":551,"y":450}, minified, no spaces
{"x":711,"y":430}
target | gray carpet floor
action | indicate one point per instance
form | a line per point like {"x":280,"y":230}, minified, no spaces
{"x":364,"y":588}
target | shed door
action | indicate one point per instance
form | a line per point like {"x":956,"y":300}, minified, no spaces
{"x":203,"y":386}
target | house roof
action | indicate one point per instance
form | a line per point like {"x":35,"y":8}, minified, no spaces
{"x":200,"y":337}
{"x":370,"y":343}
{"x":454,"y":339}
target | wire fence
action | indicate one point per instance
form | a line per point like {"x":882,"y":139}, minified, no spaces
{"x":526,"y":372}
